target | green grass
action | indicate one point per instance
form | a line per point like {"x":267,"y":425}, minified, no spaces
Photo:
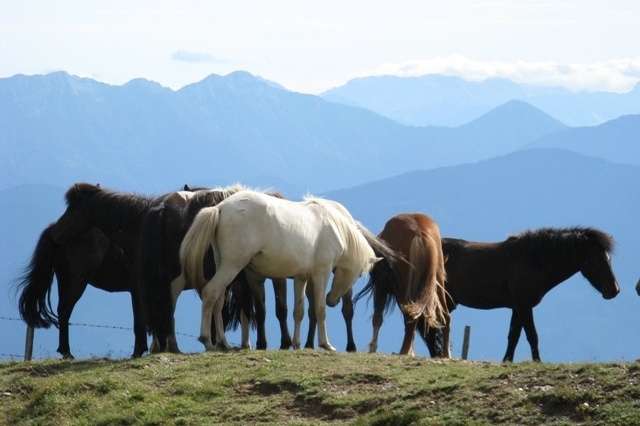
{"x":315,"y":387}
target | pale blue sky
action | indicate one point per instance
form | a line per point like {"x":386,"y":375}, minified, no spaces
{"x":312,"y":45}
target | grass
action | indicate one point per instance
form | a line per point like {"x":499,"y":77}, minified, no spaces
{"x":316,"y":388}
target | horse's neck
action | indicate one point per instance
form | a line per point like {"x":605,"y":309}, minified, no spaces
{"x":559,"y":273}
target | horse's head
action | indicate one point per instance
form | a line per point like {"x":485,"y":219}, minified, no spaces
{"x":596,"y":267}
{"x":343,"y":280}
{"x":74,"y":220}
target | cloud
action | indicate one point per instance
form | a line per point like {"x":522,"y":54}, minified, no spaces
{"x":614,"y":75}
{"x":195,"y":57}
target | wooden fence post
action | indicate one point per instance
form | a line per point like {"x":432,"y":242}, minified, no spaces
{"x":28,"y":346}
{"x":465,"y":342}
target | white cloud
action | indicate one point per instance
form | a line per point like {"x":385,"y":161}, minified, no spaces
{"x":185,"y":56}
{"x":613,"y":75}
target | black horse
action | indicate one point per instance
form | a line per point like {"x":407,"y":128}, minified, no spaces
{"x":638,"y":288}
{"x":119,"y":216}
{"x":88,"y":258}
{"x":160,"y":273}
{"x":518,"y":272}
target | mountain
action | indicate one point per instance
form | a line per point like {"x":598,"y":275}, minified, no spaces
{"x":484,"y":201}
{"x":140,"y":136}
{"x":451,"y":101}
{"x":616,"y":140}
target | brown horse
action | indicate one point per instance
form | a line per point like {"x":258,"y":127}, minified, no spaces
{"x":518,"y":272}
{"x":419,"y":293}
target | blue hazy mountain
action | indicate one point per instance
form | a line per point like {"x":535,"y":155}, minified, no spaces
{"x":616,"y":140}
{"x":482,"y":180}
{"x":452,"y":101}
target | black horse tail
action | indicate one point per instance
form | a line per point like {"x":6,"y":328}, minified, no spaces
{"x":385,"y":274}
{"x":239,"y":300}
{"x":154,"y":284}
{"x":35,"y":285}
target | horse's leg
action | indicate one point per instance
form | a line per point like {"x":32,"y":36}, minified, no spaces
{"x":526,"y":319}
{"x":244,"y":322}
{"x":320,"y":279}
{"x":280,"y":292}
{"x":70,"y":289}
{"x":347,"y":314}
{"x":409,"y":332}
{"x":177,"y":286}
{"x":311,"y":332}
{"x":212,"y":303}
{"x":446,"y":336}
{"x":515,"y":328}
{"x":299,"y":286}
{"x":376,"y":320}
{"x":256,"y":284}
{"x":139,"y":331}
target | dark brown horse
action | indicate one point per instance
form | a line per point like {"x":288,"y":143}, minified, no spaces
{"x":518,"y":272}
{"x":88,"y":258}
{"x":119,"y":216}
{"x":419,"y":291}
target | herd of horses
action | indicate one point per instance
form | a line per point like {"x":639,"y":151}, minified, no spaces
{"x":226,"y":242}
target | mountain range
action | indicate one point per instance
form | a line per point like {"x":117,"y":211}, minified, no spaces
{"x":512,"y":168}
{"x":451,"y":101}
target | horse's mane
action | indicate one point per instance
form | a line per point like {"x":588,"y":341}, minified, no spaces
{"x":557,"y":245}
{"x":123,"y":209}
{"x":349,"y":229}
{"x":213,"y":197}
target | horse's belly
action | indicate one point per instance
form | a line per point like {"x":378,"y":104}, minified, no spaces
{"x":277,"y":266}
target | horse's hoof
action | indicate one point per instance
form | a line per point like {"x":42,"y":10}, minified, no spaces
{"x":351,"y":348}
{"x":328,"y":347}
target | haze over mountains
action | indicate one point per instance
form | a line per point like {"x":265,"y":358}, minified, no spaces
{"x":452,"y":101}
{"x":511,"y":168}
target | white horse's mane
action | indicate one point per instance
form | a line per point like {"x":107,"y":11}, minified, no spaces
{"x":349,"y":229}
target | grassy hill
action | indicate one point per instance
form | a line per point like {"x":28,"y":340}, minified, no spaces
{"x":315,"y":387}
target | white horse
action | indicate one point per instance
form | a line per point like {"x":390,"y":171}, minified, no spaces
{"x":271,"y":237}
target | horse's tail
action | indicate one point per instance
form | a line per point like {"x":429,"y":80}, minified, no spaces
{"x":35,"y":285}
{"x":154,"y":284}
{"x":195,"y":244}
{"x":240,"y":301}
{"x":426,"y":283}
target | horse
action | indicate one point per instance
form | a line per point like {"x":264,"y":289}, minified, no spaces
{"x":272,"y":237}
{"x":517,"y":272}
{"x":88,"y":258}
{"x":638,"y":288}
{"x":419,"y":292}
{"x":119,"y":216}
{"x":159,"y":270}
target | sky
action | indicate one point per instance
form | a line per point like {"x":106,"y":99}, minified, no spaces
{"x":310,"y":46}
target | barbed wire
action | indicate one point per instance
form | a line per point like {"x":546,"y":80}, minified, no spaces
{"x":114,"y":327}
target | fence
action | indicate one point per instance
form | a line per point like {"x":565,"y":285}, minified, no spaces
{"x":30,"y":335}
{"x":28,"y":347}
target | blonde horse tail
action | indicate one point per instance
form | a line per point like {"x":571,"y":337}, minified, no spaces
{"x":195,"y":244}
{"x":426,"y":279}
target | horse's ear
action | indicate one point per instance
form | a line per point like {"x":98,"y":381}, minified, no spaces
{"x":186,"y":188}
{"x":375,"y":260}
